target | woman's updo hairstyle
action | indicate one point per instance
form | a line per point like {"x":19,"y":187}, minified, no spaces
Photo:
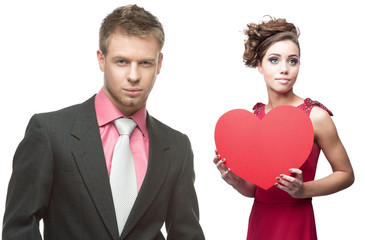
{"x":261,"y":36}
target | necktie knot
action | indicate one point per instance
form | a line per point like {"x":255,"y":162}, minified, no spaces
{"x":125,"y":126}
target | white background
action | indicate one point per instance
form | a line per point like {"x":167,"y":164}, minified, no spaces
{"x":48,"y":61}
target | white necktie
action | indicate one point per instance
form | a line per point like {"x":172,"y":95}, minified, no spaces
{"x":123,"y":179}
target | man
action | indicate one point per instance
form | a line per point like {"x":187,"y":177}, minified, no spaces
{"x":65,"y":169}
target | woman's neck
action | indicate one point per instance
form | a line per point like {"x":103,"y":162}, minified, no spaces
{"x":277,"y":99}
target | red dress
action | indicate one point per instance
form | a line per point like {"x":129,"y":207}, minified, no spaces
{"x":275,"y":214}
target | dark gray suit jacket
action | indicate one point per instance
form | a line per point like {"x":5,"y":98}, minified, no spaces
{"x":60,"y":176}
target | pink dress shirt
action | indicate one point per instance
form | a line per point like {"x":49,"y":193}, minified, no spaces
{"x":106,"y":113}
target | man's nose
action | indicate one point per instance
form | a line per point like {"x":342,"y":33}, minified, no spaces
{"x":134,"y":74}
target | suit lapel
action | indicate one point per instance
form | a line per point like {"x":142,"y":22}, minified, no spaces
{"x":155,"y":176}
{"x":89,"y":156}
{"x":88,"y":153}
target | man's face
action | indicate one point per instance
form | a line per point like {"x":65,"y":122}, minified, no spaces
{"x":130,"y":69}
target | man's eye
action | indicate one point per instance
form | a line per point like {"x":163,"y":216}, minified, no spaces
{"x":122,"y":62}
{"x":146,"y":63}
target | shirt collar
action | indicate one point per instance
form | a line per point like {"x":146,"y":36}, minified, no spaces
{"x":107,"y":112}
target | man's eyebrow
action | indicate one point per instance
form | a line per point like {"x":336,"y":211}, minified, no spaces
{"x":119,"y":57}
{"x":139,"y":60}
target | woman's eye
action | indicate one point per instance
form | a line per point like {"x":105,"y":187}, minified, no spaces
{"x":274,"y":60}
{"x":293,"y":61}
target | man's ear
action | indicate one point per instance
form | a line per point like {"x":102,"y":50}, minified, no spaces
{"x":159,"y":64}
{"x":101,"y":60}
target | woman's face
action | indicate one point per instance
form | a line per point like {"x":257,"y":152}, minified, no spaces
{"x":280,"y":66}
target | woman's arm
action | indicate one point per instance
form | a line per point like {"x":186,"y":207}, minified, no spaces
{"x":342,"y":177}
{"x":242,"y":186}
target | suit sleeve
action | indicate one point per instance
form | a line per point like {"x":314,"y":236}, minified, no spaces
{"x":30,"y":184}
{"x":183,"y":213}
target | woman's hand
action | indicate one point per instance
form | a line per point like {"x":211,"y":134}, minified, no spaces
{"x":293,"y":185}
{"x":228,"y":176}
{"x":242,"y":186}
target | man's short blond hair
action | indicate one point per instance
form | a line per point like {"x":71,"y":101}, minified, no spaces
{"x":130,"y":20}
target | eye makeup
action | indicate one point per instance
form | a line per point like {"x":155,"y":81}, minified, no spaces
{"x":275,"y":60}
{"x":293,"y":61}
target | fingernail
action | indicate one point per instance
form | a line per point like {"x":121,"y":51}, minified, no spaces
{"x":224,"y":160}
{"x":277,"y":179}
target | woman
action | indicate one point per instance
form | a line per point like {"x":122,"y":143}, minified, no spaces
{"x":285,"y":210}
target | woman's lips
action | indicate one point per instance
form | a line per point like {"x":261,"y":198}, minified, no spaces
{"x":283,"y":80}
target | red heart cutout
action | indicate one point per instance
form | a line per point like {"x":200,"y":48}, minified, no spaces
{"x":259,"y":150}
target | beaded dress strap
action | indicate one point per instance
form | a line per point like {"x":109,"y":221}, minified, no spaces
{"x":309,"y":104}
{"x":258,"y":108}
{"x":306,"y":106}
